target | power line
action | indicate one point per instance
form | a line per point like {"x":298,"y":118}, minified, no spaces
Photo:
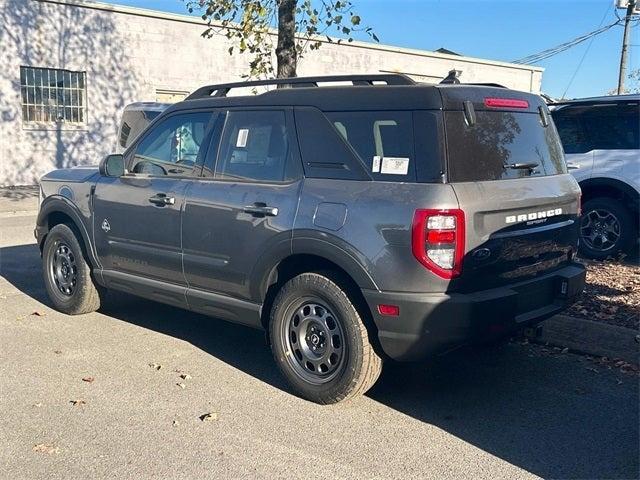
{"x":584,"y":55}
{"x":536,"y":57}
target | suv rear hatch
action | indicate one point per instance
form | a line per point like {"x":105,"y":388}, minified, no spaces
{"x":506,"y":165}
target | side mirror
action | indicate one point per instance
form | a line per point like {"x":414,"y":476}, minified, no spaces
{"x":112,"y":166}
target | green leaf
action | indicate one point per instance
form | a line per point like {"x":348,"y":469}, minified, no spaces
{"x":373,"y":35}
{"x":355,"y":20}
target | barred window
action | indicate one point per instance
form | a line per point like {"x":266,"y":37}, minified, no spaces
{"x":51,"y":94}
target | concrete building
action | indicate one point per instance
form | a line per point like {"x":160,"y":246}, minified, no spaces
{"x":69,"y":67}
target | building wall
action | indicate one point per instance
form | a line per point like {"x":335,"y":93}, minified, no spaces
{"x":140,"y":55}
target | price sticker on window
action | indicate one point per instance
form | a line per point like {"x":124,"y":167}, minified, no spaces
{"x":395,"y":165}
{"x":375,"y":166}
{"x":243,"y":136}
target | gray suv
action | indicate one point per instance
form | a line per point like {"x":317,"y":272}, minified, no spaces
{"x":377,"y":219}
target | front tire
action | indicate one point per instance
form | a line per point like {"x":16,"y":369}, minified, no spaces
{"x":67,"y":275}
{"x":320,"y":342}
{"x":606,"y":228}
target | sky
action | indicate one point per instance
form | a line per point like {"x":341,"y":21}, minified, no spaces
{"x":502,"y":30}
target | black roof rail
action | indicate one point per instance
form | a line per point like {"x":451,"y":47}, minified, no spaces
{"x":221,"y":90}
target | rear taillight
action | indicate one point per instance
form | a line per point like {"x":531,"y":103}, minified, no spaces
{"x":437,"y":240}
{"x":505,"y":103}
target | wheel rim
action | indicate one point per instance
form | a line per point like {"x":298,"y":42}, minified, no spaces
{"x":63,"y":268}
{"x":600,"y":230}
{"x":314,"y":342}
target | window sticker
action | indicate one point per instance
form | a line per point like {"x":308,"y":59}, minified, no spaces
{"x":375,"y":167}
{"x":243,"y":136}
{"x":395,"y":165}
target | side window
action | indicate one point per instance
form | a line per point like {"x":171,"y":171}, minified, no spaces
{"x":382,"y":140}
{"x":254,"y":147}
{"x":173,"y":146}
{"x":572,"y":133}
{"x":613,"y":127}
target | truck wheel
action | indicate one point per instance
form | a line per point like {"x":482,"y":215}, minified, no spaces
{"x":606,"y":228}
{"x":319,"y":341}
{"x":67,"y":275}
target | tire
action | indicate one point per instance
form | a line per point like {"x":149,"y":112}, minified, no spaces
{"x":344,"y":362}
{"x":606,"y":228}
{"x":67,"y":275}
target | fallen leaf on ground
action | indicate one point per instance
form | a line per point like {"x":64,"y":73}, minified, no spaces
{"x":38,"y":314}
{"x":48,"y":448}
{"x":209,"y":417}
{"x":185,"y":376}
{"x":88,"y":379}
{"x":57,"y":352}
{"x":155,"y":366}
{"x":77,"y":403}
{"x":181,"y":385}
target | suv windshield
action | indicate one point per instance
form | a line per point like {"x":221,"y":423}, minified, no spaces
{"x":498,"y":139}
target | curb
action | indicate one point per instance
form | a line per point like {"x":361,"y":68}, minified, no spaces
{"x":590,"y":338}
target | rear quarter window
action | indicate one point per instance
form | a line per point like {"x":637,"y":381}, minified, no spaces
{"x":384,"y":142}
{"x":483,"y":151}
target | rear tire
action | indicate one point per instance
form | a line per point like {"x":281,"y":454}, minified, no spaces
{"x":606,"y":228}
{"x":320,"y":342}
{"x":67,"y":275}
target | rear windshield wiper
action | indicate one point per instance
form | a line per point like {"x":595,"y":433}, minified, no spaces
{"x":521,"y":166}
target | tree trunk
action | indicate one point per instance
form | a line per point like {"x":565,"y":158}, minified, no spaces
{"x":286,"y":51}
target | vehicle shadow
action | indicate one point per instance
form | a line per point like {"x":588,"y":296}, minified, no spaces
{"x":549,"y":415}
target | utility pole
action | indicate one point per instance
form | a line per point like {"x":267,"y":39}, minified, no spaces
{"x":625,"y":46}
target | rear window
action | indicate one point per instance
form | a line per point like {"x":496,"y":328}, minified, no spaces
{"x":498,"y":139}
{"x":383,"y":141}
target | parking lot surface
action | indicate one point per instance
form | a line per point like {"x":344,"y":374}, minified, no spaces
{"x":513,"y":411}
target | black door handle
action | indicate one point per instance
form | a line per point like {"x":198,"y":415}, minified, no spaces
{"x":259,"y":209}
{"x":161,"y":199}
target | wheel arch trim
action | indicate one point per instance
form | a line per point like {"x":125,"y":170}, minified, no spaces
{"x":59,"y":204}
{"x":611,"y":183}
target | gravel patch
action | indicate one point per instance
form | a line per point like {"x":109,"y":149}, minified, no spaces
{"x":612,"y":294}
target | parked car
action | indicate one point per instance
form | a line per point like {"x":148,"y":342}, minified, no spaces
{"x":601,"y":139}
{"x":135,"y":118}
{"x":351,"y":222}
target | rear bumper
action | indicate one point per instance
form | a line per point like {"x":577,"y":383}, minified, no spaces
{"x":430,"y":324}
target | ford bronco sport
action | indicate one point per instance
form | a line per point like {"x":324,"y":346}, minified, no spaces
{"x":382,"y":218}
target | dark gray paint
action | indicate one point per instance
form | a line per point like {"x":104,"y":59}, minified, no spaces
{"x":207,"y":253}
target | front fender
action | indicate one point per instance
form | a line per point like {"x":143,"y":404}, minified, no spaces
{"x":59,"y":204}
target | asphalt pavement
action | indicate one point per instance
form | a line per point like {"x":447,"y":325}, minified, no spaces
{"x":513,"y":411}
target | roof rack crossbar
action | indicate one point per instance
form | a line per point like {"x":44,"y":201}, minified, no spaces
{"x":221,"y":90}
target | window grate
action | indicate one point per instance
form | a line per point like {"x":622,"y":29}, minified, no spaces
{"x":51,"y":94}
